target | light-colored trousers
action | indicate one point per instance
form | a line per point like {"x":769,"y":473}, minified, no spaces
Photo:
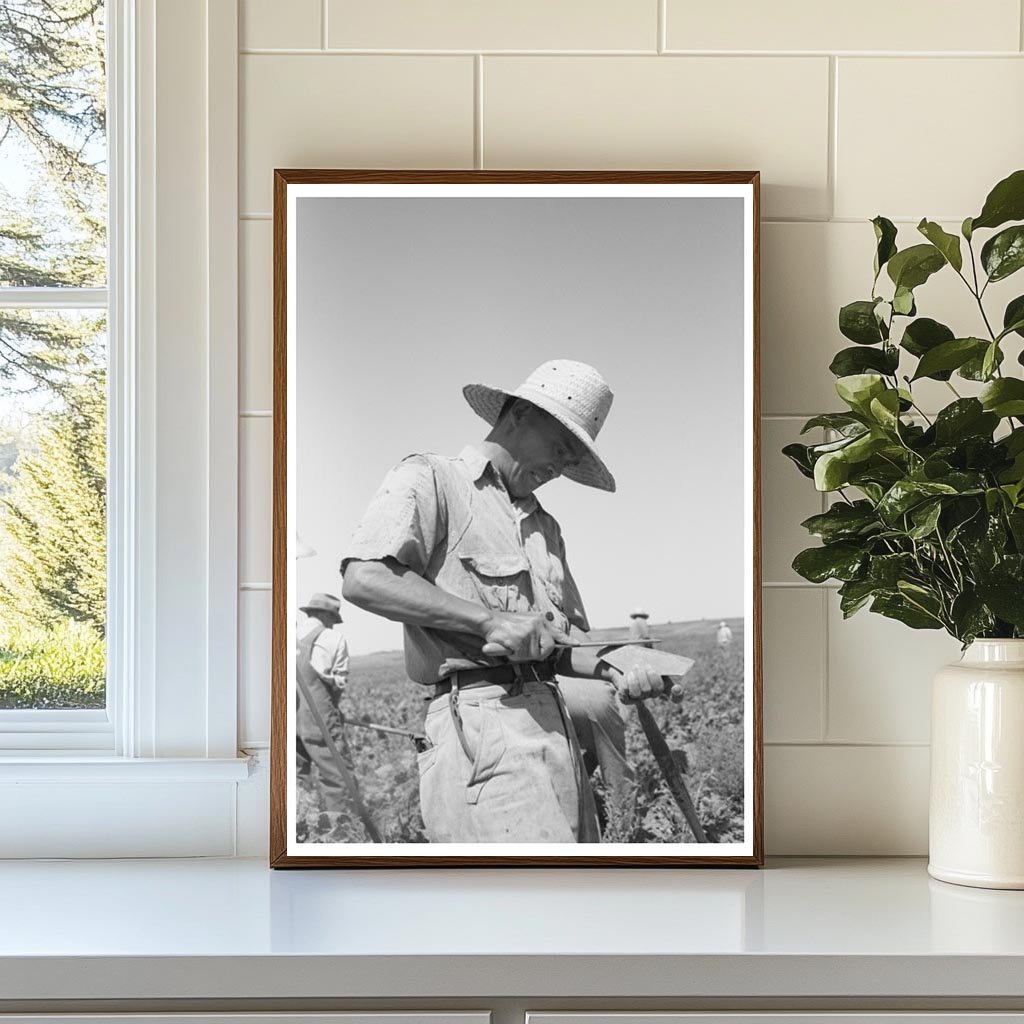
{"x":526,"y":782}
{"x":597,"y":718}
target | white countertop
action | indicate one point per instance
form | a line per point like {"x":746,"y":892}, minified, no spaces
{"x":235,"y":929}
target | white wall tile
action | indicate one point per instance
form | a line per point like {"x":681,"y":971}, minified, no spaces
{"x":255,"y":495}
{"x":498,"y":25}
{"x":961,"y":129}
{"x":808,"y":271}
{"x":787,"y":499}
{"x":356,"y":111}
{"x":794,"y":663}
{"x":267,"y":24}
{"x":868,"y":25}
{"x":880,"y":676}
{"x":256,"y":305}
{"x":647,"y":112}
{"x":254,"y":623}
{"x":846,"y":801}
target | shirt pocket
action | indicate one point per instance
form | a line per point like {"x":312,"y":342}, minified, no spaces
{"x":501,"y":579}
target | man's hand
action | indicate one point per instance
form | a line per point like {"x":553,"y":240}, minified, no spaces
{"x":641,"y":683}
{"x":521,"y":637}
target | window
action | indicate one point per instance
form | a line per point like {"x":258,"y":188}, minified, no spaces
{"x":155,"y":309}
{"x":53,"y":369}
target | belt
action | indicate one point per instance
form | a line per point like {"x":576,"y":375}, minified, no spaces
{"x":501,"y":675}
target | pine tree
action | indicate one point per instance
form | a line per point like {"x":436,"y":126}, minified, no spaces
{"x":53,"y":519}
{"x":53,"y":122}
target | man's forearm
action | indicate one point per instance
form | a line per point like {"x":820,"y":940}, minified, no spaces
{"x":396,"y":592}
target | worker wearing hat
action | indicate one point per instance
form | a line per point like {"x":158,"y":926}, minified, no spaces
{"x":461,"y":552}
{"x":323,"y":656}
{"x":639,"y":631}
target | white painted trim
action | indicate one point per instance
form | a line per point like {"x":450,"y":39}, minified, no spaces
{"x":172,"y":548}
{"x":81,"y":769}
{"x":124,"y":342}
{"x":222,"y":380}
{"x":53,"y":298}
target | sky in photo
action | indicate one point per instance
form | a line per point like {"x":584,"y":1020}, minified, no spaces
{"x":402,"y":301}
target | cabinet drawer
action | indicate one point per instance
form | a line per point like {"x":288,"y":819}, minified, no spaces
{"x":360,"y":1017}
{"x":789,"y":1017}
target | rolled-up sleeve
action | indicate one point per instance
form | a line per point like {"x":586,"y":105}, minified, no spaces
{"x":402,"y":521}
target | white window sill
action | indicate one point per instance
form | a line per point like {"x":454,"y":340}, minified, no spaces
{"x":80,"y":767}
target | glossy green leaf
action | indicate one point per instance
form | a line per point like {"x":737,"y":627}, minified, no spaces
{"x":887,"y":570}
{"x":971,"y":617}
{"x":950,"y":355}
{"x":799,"y":455}
{"x":858,"y":389}
{"x":990,"y":360}
{"x":841,"y":421}
{"x":857,"y":321}
{"x":1003,"y":254}
{"x":840,"y":561}
{"x":885,"y":238}
{"x":964,"y":418}
{"x":854,"y":594}
{"x":907,"y":494}
{"x":1005,"y":202}
{"x":947,"y":244}
{"x":1004,"y":397}
{"x":911,"y":267}
{"x":842,"y":521}
{"x":966,"y":229}
{"x":974,"y":368}
{"x":850,"y":361}
{"x":925,"y":518}
{"x":900,"y":608}
{"x":1013,"y":317}
{"x":923,"y":335}
{"x":831,"y":471}
{"x":1004,"y":594}
{"x":885,"y":409}
{"x":903,"y":302}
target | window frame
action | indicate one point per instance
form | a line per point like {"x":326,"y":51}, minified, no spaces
{"x":65,"y":730}
{"x":173,"y":468}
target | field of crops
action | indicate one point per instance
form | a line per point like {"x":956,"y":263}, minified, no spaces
{"x":705,"y":733}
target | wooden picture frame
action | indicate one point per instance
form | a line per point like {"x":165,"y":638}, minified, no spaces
{"x":382,"y":267}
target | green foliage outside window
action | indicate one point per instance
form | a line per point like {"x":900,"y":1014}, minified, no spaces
{"x":927,"y":525}
{"x":52,"y":364}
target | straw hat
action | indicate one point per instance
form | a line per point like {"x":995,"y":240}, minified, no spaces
{"x":575,"y":394}
{"x":323,"y":603}
{"x":638,"y":613}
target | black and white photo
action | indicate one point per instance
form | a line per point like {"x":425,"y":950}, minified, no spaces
{"x":516,"y":568}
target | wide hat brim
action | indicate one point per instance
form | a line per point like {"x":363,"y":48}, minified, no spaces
{"x":591,"y":471}
{"x":307,"y":608}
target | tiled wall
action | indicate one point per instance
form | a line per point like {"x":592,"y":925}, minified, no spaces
{"x":905,"y":109}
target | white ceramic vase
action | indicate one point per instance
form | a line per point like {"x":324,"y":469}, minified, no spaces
{"x":976,"y":815}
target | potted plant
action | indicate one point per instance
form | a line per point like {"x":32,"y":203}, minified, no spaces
{"x":927,"y":521}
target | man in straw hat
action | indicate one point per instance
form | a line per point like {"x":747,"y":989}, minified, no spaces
{"x":461,"y":552}
{"x":322,"y":657}
{"x":638,"y":628}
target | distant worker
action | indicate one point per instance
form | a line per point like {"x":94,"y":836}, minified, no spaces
{"x":322,"y":663}
{"x":724,"y":635}
{"x":638,"y":628}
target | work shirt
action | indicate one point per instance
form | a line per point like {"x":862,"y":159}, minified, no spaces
{"x":638,"y":629}
{"x":451,"y":521}
{"x":329,"y":656}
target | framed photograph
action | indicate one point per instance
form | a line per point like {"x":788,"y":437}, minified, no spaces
{"x":516,"y":563}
